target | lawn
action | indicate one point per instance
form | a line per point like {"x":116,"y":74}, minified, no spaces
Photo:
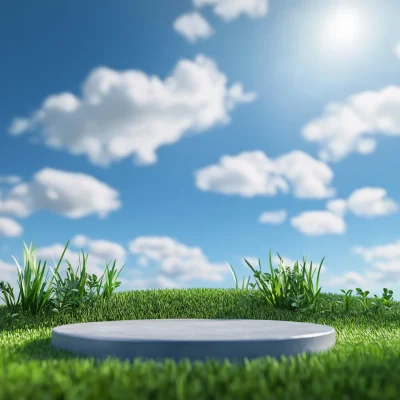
{"x":364,"y":363}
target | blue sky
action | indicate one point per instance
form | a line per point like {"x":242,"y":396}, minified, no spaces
{"x":173,"y":139}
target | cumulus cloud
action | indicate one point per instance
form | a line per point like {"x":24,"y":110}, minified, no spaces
{"x":193,"y":26}
{"x":366,"y":202}
{"x":352,"y":126}
{"x":397,"y":50}
{"x":273,"y":217}
{"x":318,"y":223}
{"x":349,"y":280}
{"x":129,"y":113}
{"x":10,"y":179}
{"x":337,"y":206}
{"x":371,"y":202}
{"x":8,"y":227}
{"x":386,"y":252}
{"x":385,"y":262}
{"x":177,"y":261}
{"x":229,"y":10}
{"x":252,"y":173}
{"x":73,"y":195}
{"x":101,"y":249}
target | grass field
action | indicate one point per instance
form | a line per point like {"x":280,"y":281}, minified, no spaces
{"x":364,"y":363}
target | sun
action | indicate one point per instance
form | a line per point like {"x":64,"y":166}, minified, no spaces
{"x":342,"y":28}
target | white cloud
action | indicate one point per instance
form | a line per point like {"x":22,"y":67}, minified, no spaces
{"x":129,"y":113}
{"x":9,"y":227}
{"x":397,"y":50}
{"x":193,"y":27}
{"x":337,"y":206}
{"x":10,"y":179}
{"x":19,"y":125}
{"x":370,"y":202}
{"x":348,"y":127}
{"x":365,"y":202}
{"x":101,"y":249}
{"x":318,"y":223}
{"x":229,"y":10}
{"x":385,"y":260}
{"x":273,"y":217}
{"x":350,"y":280}
{"x":143,"y":261}
{"x":387,"y":252}
{"x":177,"y":261}
{"x":252,"y":173}
{"x":73,"y":195}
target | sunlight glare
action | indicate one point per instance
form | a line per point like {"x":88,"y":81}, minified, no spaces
{"x":342,"y":29}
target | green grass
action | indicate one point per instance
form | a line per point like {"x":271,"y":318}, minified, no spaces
{"x":364,"y":363}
